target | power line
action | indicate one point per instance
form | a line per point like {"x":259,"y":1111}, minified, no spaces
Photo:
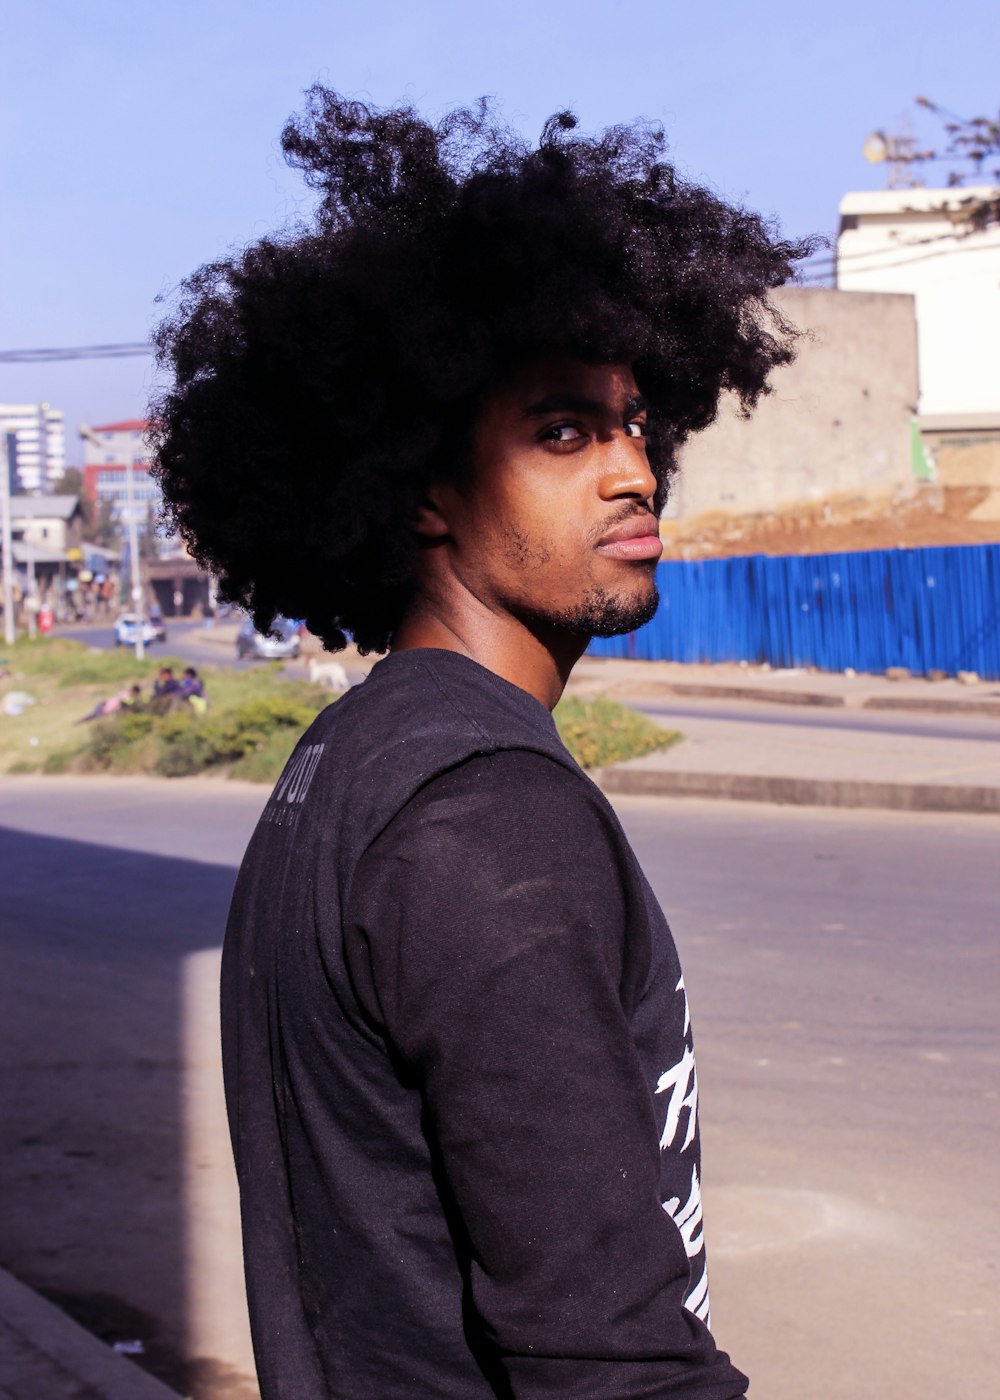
{"x":48,"y":356}
{"x":814,"y":273}
{"x":952,"y":236}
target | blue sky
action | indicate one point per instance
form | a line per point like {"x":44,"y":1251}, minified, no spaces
{"x":140,"y":140}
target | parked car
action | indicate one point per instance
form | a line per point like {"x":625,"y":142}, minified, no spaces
{"x":283,"y":646}
{"x":128,"y":624}
{"x":158,"y":625}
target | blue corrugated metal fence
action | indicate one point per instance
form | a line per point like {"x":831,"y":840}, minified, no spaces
{"x":927,"y":609}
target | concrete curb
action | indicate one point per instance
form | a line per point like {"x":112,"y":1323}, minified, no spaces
{"x":625,"y":691}
{"x":41,"y":1330}
{"x":933,"y":707}
{"x":802,"y":792}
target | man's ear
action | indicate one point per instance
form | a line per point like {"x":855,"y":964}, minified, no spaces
{"x":431,"y":520}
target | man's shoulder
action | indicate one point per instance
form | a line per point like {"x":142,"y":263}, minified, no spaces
{"x":425,"y":701}
{"x":420,"y":714}
{"x":512,"y":798}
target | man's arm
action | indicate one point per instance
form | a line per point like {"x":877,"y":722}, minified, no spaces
{"x":490,"y":941}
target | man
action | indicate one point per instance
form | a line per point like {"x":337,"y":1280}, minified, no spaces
{"x":191,"y":684}
{"x":458,"y":1057}
{"x":166,"y":684}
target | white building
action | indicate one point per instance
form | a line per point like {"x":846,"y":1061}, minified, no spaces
{"x":48,"y":522}
{"x":923,"y":241}
{"x":36,"y":445}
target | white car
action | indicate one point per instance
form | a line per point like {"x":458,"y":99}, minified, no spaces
{"x":128,"y":624}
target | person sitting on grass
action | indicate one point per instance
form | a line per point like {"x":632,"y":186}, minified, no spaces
{"x":166,"y":691}
{"x":193,"y":690}
{"x":129,"y":698}
{"x":191,"y":683}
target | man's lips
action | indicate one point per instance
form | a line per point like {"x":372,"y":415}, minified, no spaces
{"x":635,"y":538}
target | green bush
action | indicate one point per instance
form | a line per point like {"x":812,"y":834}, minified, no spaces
{"x":264,"y":765}
{"x":60,"y":761}
{"x":134,"y":724}
{"x":113,"y":741}
{"x":600,"y":732}
{"x":253,"y":737}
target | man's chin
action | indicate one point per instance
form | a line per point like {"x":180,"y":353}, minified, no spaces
{"x":604,"y":614}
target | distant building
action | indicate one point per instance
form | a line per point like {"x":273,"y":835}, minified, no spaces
{"x":179,"y":586}
{"x":52,"y":523}
{"x":925,"y":242}
{"x":105,"y":471}
{"x":35,"y":440}
{"x":47,"y":548}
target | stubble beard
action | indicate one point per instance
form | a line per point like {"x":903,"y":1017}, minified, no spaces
{"x":600,"y":613}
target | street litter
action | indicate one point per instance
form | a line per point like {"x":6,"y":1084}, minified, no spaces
{"x":15,"y":702}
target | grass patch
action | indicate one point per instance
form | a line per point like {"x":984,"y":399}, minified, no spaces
{"x":601,"y":732}
{"x":252,"y":724}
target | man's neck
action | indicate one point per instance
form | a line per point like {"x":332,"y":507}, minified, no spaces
{"x":536,"y":661}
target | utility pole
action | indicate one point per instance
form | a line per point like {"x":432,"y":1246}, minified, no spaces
{"x":32,"y":594}
{"x":133,"y":555}
{"x":9,"y":630}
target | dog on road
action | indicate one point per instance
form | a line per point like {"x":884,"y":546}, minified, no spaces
{"x":328,"y":673}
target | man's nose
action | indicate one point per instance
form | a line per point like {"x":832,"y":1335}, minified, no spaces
{"x":625,"y":472}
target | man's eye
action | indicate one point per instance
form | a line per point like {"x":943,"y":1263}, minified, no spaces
{"x":562,"y":432}
{"x":636,"y":428}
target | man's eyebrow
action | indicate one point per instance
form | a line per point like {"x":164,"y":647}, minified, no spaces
{"x":577,"y":403}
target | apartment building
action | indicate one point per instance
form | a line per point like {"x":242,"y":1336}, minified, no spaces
{"x":35,"y":440}
{"x":109,"y":450}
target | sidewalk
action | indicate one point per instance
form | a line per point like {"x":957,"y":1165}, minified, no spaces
{"x":44,"y":1355}
{"x":809,"y":761}
{"x":832,"y":690}
{"x":817,"y":767}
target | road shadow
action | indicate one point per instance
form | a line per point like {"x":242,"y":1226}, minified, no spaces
{"x":92,"y":1087}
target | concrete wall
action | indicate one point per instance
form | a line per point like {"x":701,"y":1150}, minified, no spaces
{"x":838,"y":422}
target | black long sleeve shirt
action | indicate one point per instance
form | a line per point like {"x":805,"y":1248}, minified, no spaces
{"x":459,"y":1068}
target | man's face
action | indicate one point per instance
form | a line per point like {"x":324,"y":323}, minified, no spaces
{"x":556,"y":526}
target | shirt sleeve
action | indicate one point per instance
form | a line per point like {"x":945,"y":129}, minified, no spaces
{"x":491,"y":939}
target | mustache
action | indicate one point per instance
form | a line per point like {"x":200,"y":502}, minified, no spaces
{"x":629,"y":512}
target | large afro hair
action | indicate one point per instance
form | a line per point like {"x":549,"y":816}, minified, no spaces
{"x":323,"y":378}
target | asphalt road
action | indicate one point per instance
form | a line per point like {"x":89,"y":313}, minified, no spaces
{"x":184,"y":640}
{"x":937,"y":726}
{"x":843,"y":969}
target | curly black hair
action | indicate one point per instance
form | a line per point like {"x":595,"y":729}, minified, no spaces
{"x":324,"y":378}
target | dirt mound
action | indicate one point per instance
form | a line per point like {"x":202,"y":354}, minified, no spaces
{"x":928,"y":515}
